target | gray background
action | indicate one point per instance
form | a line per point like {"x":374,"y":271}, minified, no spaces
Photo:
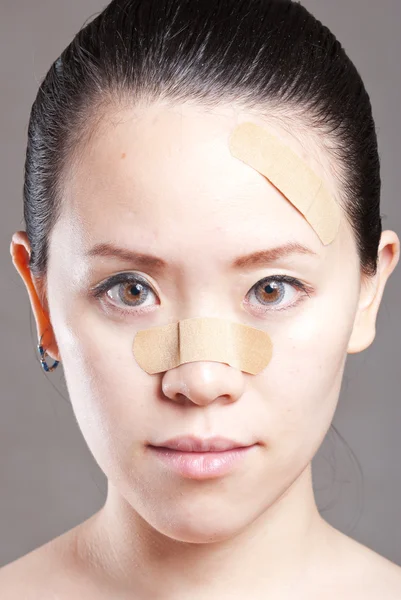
{"x":49,"y":480}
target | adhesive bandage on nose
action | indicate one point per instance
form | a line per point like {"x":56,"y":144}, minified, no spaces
{"x":290,"y":175}
{"x":160,"y":349}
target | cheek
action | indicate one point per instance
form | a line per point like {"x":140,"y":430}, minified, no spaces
{"x":107,"y":388}
{"x":302,"y":382}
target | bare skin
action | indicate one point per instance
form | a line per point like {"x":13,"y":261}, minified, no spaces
{"x":62,"y":569}
{"x":255,"y":533}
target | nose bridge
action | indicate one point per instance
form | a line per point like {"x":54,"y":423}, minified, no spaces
{"x":216,"y":344}
{"x":203,"y":382}
{"x":205,"y":295}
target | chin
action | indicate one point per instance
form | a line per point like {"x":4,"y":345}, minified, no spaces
{"x":198,"y":520}
{"x":200,"y":533}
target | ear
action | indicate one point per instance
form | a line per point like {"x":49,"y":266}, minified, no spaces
{"x":364,"y":329}
{"x":20,"y":250}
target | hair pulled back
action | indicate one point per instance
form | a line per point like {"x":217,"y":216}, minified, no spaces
{"x":272,"y":55}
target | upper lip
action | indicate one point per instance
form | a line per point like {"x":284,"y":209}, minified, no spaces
{"x":191,"y":443}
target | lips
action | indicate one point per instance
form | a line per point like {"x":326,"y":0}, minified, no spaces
{"x":195,"y":444}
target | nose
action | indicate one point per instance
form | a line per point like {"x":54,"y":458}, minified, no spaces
{"x":203,"y":382}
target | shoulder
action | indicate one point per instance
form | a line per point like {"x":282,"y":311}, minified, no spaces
{"x":49,"y":572}
{"x":380,"y":578}
{"x":363,"y":574}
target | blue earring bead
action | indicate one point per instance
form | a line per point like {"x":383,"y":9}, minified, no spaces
{"x":43,"y":362}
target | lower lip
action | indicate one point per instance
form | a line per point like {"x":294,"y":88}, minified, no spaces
{"x":201,"y":465}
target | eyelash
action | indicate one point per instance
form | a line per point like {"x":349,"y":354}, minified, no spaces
{"x":101,"y":290}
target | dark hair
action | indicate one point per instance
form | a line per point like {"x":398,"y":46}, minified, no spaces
{"x":268,"y":55}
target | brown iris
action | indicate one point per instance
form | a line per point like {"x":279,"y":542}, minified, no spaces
{"x":131,"y":291}
{"x":271,"y":292}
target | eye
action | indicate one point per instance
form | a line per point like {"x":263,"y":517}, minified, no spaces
{"x":126,"y":290}
{"x":278,"y":292}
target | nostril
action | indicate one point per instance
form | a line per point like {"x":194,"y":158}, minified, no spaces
{"x":182,"y":398}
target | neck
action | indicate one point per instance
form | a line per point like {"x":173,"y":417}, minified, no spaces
{"x":282,"y":547}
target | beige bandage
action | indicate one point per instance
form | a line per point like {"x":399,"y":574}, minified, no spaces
{"x":290,"y":175}
{"x":159,"y":349}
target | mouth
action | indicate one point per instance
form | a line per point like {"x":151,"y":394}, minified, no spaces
{"x":191,"y":443}
{"x":202,"y":465}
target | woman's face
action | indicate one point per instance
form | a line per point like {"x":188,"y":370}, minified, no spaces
{"x":161,"y":181}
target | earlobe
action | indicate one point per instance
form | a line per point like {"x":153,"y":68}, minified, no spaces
{"x":363,"y":333}
{"x":364,"y":329}
{"x":20,"y":251}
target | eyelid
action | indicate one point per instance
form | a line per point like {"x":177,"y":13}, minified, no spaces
{"x":121,"y":277}
{"x":286,"y":279}
{"x":102,"y":288}
{"x":305,"y":289}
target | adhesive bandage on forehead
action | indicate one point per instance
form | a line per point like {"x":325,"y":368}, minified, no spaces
{"x":264,"y":152}
{"x":160,"y":349}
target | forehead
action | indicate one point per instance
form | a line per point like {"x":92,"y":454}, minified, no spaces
{"x":169,"y":168}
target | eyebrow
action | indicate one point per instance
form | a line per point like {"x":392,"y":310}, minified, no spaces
{"x":256,"y":259}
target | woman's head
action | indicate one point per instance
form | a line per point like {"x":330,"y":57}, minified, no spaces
{"x":128,"y":149}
